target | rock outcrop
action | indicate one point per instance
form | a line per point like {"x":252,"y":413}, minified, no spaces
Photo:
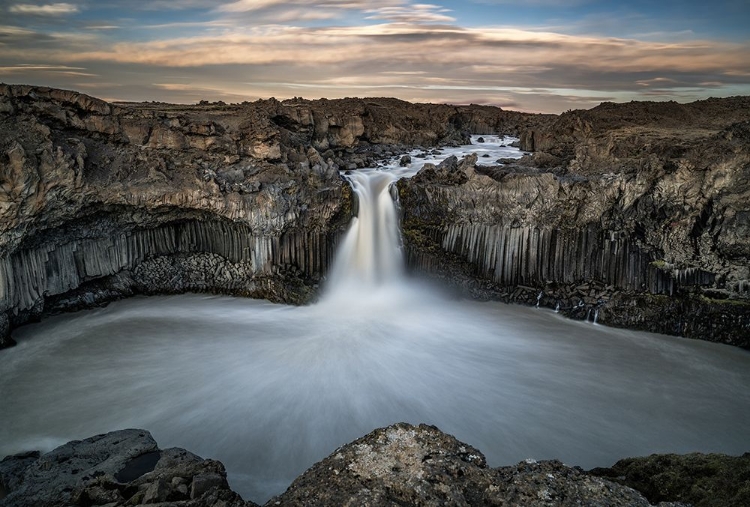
{"x":420,"y":465}
{"x":701,"y":480}
{"x":120,"y":468}
{"x":399,"y":465}
{"x":636,"y":214}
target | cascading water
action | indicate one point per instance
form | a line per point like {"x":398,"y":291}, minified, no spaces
{"x":271,"y":389}
{"x":370,"y":255}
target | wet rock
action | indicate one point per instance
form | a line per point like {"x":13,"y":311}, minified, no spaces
{"x":5,"y":338}
{"x":547,"y":483}
{"x":62,"y":474}
{"x":405,"y":161}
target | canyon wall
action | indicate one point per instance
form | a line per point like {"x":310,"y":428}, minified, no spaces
{"x":636,"y":216}
{"x":100,"y":201}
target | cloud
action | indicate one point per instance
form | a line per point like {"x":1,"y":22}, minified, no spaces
{"x":659,"y":81}
{"x":102,"y":26}
{"x":538,"y":3}
{"x":132,"y":6}
{"x":256,"y":5}
{"x":401,"y":46}
{"x":392,"y":47}
{"x":248,"y":5}
{"x":57,"y":9}
{"x":57,"y":69}
{"x":6,"y":31}
{"x":419,"y":13}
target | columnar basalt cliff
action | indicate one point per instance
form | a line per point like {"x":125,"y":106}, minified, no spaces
{"x":633,"y":214}
{"x":636,"y":215}
{"x":100,"y":201}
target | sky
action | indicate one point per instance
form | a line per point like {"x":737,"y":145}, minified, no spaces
{"x":528,"y":55}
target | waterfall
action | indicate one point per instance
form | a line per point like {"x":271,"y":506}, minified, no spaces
{"x":369,"y":258}
{"x":370,"y":254}
{"x":369,"y":262}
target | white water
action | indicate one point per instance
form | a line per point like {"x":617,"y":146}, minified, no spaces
{"x":370,"y":254}
{"x":271,"y":389}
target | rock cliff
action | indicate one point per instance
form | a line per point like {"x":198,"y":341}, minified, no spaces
{"x":634,"y":214}
{"x":399,"y":465}
{"x":99,"y":200}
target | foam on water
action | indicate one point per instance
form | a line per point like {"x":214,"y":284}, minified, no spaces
{"x":271,"y":389}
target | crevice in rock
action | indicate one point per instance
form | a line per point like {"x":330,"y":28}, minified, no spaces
{"x":138,"y":467}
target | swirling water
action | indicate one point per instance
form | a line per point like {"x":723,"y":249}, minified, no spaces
{"x":270,"y":389}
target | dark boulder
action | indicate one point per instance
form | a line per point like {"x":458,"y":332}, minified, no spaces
{"x":703,"y":480}
{"x":119,"y":468}
{"x":449,"y":172}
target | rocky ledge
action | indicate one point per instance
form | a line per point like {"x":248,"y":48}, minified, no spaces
{"x":400,"y":465}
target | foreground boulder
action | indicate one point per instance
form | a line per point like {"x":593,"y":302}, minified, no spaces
{"x":420,"y":465}
{"x":703,"y":480}
{"x":120,"y":468}
{"x":401,"y":465}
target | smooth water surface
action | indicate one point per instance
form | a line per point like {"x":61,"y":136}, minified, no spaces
{"x":270,"y":389}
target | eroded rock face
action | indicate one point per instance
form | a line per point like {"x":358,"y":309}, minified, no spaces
{"x":702,"y":480}
{"x":99,"y":200}
{"x":636,"y":214}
